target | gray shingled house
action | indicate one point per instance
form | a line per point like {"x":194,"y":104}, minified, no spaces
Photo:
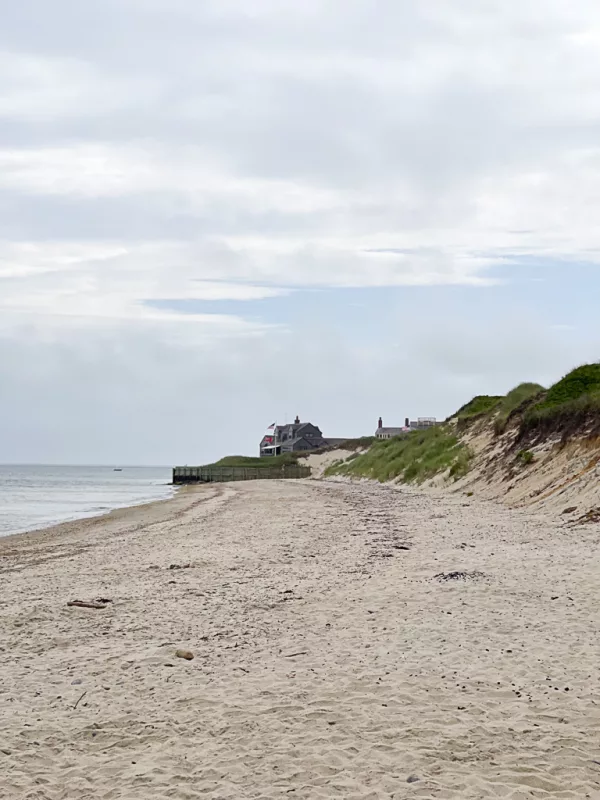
{"x":294,"y":438}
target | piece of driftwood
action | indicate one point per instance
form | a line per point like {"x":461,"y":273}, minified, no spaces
{"x":84,"y":604}
{"x":293,"y":655}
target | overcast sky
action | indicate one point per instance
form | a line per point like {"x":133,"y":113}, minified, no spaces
{"x":216,"y":214}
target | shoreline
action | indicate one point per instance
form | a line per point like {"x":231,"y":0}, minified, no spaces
{"x":38,"y":497}
{"x":69,"y":526}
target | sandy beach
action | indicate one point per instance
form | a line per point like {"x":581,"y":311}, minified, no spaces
{"x":329,"y":660}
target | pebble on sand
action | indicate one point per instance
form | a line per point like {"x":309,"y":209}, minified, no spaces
{"x":186,"y":654}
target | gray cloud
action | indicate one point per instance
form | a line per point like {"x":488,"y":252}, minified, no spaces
{"x":151,"y":148}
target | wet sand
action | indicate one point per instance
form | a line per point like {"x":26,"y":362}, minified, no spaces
{"x":330,"y":661}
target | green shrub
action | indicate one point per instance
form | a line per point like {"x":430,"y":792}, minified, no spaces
{"x":526,"y":457}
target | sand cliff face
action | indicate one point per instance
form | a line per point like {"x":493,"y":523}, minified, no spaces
{"x":550,"y":473}
{"x":318,"y":462}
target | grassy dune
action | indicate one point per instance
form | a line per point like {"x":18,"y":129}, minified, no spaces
{"x":411,"y":458}
{"x":522,"y":394}
{"x":479,"y":406}
{"x":566,"y":407}
{"x":569,"y":405}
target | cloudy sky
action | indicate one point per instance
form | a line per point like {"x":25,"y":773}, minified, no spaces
{"x":215,"y":214}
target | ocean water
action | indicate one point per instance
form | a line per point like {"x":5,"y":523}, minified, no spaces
{"x":33,"y":497}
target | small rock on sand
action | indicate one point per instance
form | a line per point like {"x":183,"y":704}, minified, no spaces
{"x":186,"y":654}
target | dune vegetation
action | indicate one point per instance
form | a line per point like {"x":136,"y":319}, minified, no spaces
{"x":285,"y":460}
{"x":411,"y":458}
{"x":479,"y":406}
{"x":565,"y":408}
{"x":568,"y":406}
{"x":515,"y":400}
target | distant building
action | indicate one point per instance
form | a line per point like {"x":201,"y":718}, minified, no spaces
{"x":389,"y":433}
{"x":296,"y":437}
{"x":415,"y":425}
{"x":422,"y":423}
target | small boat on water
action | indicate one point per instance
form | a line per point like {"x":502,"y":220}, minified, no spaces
{"x":117,"y":469}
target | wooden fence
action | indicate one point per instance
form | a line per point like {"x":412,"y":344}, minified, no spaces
{"x":221,"y":474}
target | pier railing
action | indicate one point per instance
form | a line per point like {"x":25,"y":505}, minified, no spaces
{"x":183,"y":475}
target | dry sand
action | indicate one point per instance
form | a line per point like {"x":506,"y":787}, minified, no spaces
{"x":329,"y":661}
{"x":318,"y":462}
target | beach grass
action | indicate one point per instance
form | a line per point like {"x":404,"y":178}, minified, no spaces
{"x":481,"y":405}
{"x":522,"y":394}
{"x":412,"y":458}
{"x":568,"y":405}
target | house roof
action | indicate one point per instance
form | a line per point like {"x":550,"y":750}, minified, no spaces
{"x":315,"y":441}
{"x":311,"y":442}
{"x":393,"y":430}
{"x":296,"y":427}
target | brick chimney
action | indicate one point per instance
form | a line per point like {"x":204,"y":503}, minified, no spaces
{"x":407,"y":423}
{"x":297,"y":420}
{"x":380,"y":425}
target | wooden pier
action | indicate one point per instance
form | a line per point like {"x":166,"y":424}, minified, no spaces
{"x":183,"y":475}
